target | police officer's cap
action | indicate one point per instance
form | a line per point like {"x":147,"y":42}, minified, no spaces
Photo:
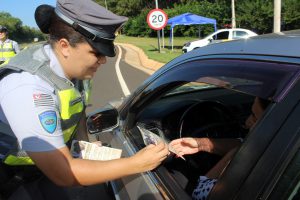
{"x":93,"y":21}
{"x":3,"y":29}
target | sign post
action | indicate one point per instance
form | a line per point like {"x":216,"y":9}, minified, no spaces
{"x":157,"y":19}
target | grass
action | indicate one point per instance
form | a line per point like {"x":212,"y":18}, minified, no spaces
{"x":150,"y":46}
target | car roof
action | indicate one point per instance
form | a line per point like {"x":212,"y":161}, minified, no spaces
{"x":233,"y":29}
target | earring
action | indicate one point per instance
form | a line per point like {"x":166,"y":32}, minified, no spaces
{"x":99,"y":59}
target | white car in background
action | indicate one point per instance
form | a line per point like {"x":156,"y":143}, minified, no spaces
{"x":218,"y":36}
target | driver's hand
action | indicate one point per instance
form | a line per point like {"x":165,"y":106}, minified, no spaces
{"x":185,"y":145}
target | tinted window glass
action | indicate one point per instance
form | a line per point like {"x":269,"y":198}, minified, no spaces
{"x":266,"y":80}
{"x":222,"y":36}
{"x":239,"y":34}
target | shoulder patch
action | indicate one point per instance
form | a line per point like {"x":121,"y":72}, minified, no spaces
{"x":48,"y":120}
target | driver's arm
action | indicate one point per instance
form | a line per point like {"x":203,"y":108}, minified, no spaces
{"x":190,"y":145}
{"x":217,"y":146}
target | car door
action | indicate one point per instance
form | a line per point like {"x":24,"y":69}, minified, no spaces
{"x":210,"y":69}
{"x":267,"y":165}
{"x":287,"y":186}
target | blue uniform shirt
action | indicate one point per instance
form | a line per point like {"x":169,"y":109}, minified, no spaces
{"x":30,"y":107}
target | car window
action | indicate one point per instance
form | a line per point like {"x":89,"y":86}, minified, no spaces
{"x":193,"y":109}
{"x":251,"y":77}
{"x":221,"y":36}
{"x":213,"y":82}
{"x":189,"y":87}
{"x":239,"y":34}
{"x":167,"y":115}
{"x":266,"y":80}
{"x":204,"y":98}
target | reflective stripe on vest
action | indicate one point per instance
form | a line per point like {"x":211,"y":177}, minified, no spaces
{"x":18,"y":160}
{"x":71,"y":107}
{"x":7,"y":51}
{"x":71,"y":103}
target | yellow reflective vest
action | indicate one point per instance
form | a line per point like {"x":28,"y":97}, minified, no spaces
{"x":7,"y":51}
{"x":72,"y":102}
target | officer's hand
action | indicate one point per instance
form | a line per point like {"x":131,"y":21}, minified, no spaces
{"x":150,"y":157}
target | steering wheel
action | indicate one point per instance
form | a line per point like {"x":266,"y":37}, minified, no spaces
{"x":209,"y":119}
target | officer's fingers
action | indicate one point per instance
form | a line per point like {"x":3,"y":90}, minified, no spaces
{"x":98,"y":143}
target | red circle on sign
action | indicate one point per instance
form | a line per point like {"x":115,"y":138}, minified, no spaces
{"x":155,"y":23}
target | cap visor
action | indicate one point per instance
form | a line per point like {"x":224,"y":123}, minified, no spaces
{"x":104,"y":48}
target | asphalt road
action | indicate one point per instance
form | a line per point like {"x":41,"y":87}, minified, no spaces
{"x":106,"y":83}
{"x":107,"y":87}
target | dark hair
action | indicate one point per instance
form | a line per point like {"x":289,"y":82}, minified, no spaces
{"x":3,"y":29}
{"x":264,"y":102}
{"x":59,"y":29}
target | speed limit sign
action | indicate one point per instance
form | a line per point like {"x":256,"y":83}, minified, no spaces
{"x":157,"y":19}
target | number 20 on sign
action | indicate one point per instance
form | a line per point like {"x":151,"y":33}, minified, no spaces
{"x":157,"y":19}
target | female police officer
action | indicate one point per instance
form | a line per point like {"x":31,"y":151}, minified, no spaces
{"x":43,"y":107}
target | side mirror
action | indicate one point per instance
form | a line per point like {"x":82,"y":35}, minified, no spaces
{"x":210,"y":40}
{"x":104,"y":119}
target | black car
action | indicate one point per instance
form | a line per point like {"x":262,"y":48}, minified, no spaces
{"x":208,"y":93}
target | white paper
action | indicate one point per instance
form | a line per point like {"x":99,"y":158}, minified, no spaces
{"x":91,"y":151}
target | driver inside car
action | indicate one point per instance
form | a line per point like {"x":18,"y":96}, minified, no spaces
{"x":223,"y":147}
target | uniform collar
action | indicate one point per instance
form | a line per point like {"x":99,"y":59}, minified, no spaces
{"x":5,"y":41}
{"x":54,"y":63}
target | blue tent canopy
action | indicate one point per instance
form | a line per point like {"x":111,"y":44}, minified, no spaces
{"x":189,"y":19}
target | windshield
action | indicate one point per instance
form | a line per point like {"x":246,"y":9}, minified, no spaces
{"x":263,"y":79}
{"x":190,"y":87}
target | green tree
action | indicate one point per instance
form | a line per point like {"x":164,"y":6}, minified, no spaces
{"x":17,"y":31}
{"x":132,"y":8}
{"x":255,"y":15}
{"x":290,"y":14}
{"x":14,"y":25}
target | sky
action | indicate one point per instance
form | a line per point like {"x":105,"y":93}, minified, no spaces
{"x":23,"y":9}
